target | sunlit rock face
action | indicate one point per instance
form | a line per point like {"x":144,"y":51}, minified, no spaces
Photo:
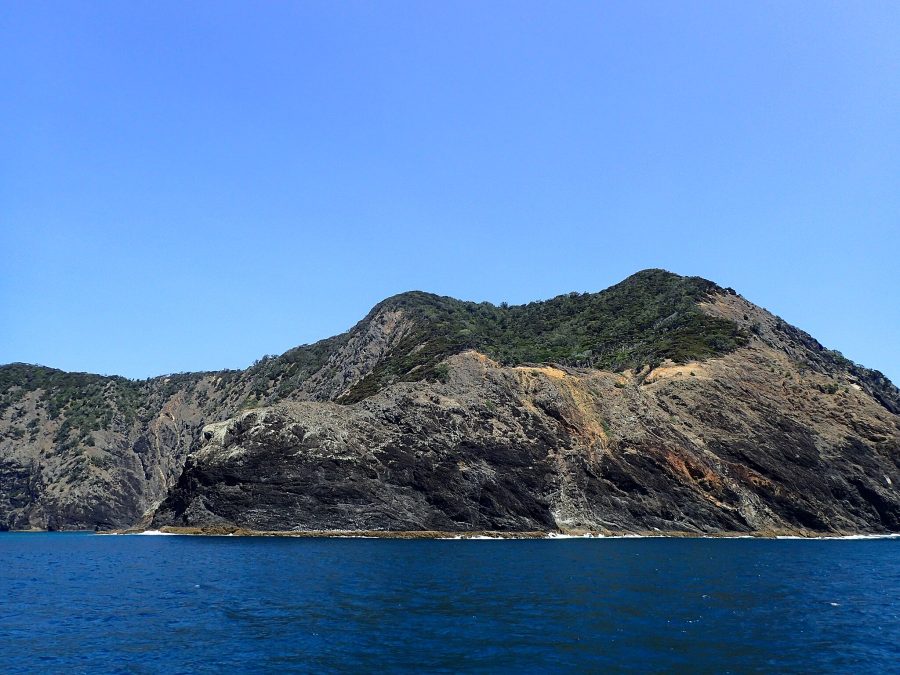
{"x":664,"y":403}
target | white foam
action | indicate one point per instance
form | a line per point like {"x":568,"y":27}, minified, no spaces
{"x":560,"y":535}
{"x":587,"y":535}
{"x":846,"y":537}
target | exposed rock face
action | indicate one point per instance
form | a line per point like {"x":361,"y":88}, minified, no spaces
{"x":420,"y":457}
{"x":82,"y":451}
{"x":761,"y":433}
{"x":53,"y":478}
{"x":729,"y":448}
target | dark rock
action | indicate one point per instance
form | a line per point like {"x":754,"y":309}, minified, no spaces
{"x":667,"y":403}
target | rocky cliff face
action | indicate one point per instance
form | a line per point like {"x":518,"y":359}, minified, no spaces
{"x":80,"y":451}
{"x":669,"y":404}
{"x":79,"y":455}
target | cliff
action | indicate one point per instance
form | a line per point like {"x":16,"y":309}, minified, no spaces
{"x":664,"y":402}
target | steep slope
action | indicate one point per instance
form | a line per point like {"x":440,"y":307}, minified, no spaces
{"x":88,"y":451}
{"x":433,"y":413}
{"x":651,"y":316}
{"x":702,"y":447}
{"x":84,"y":451}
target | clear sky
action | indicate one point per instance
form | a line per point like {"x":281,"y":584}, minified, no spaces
{"x":189,"y":186}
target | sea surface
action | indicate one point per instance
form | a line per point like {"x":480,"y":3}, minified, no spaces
{"x":173,"y":604}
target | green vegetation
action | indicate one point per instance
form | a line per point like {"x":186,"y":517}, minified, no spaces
{"x":81,"y":395}
{"x":442,"y":372}
{"x":87,"y":402}
{"x":274,"y":377}
{"x":647,"y":318}
{"x":84,"y":401}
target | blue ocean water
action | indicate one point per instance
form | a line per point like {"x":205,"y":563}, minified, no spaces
{"x":170,"y":604}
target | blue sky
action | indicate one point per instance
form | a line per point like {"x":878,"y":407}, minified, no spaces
{"x":188,"y":186}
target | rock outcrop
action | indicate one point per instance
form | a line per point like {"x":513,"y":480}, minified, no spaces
{"x":671,"y":404}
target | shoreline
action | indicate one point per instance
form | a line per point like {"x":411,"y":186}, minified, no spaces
{"x":225,"y":531}
{"x":234,"y":531}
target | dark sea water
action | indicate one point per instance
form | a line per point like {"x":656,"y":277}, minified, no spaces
{"x":86,"y":603}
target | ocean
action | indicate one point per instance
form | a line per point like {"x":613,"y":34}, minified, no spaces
{"x":75,"y":603}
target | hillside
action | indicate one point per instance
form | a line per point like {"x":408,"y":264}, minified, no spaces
{"x":662,"y":402}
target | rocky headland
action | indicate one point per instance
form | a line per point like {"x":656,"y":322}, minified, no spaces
{"x":663,"y":404}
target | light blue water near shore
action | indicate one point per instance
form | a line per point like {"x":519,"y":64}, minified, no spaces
{"x":86,"y":603}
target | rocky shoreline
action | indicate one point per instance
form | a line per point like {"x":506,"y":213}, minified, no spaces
{"x":221,"y":531}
